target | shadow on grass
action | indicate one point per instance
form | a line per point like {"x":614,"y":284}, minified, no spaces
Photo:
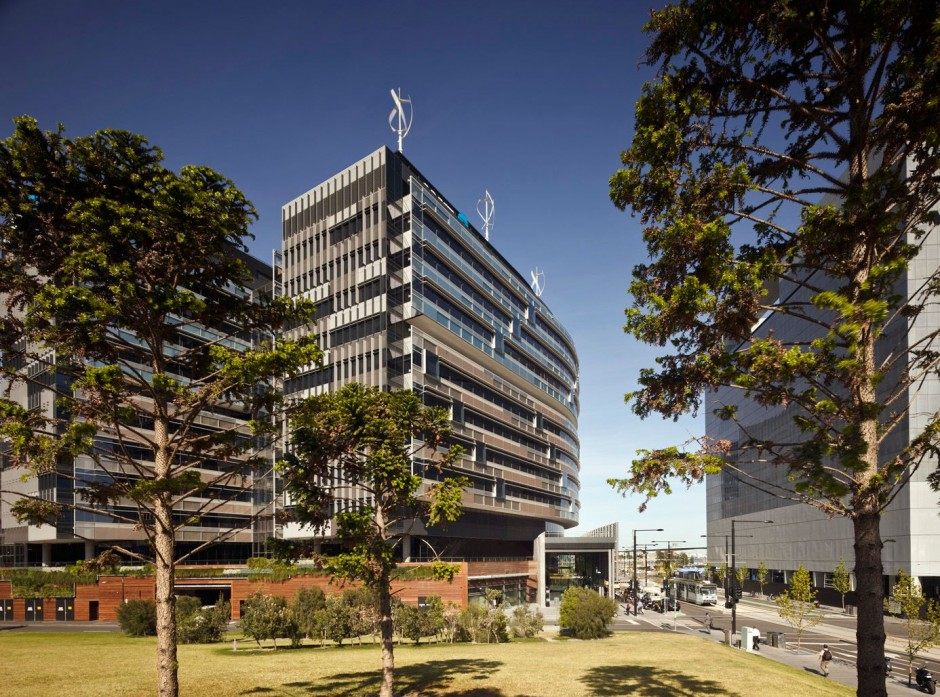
{"x":647,"y":681}
{"x":417,"y":678}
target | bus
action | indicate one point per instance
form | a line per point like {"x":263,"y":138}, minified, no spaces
{"x":692,"y":591}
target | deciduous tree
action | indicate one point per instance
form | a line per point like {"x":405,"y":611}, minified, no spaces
{"x":762,"y":576}
{"x":784,"y":165}
{"x":842,"y":580}
{"x":921,"y":617}
{"x":797,"y":604}
{"x":124,"y":290}
{"x":372,"y":438}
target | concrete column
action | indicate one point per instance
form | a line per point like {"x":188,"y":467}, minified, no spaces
{"x":89,"y":549}
{"x":406,"y":547}
{"x":538,"y":551}
{"x":46,"y":554}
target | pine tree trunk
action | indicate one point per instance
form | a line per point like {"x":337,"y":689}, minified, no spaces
{"x":165,"y":552}
{"x":167,"y":666}
{"x":388,"y":647}
{"x":870,"y":632}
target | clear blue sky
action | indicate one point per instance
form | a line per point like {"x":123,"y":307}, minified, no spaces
{"x":532,"y":100}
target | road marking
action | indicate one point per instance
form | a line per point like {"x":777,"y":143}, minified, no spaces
{"x":634,"y":622}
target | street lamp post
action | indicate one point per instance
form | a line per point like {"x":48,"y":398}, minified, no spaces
{"x":668,"y":544}
{"x":731,"y":574}
{"x":727,"y":560}
{"x":635,"y":580}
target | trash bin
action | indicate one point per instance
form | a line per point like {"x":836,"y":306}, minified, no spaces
{"x":772,"y":638}
{"x":781,"y":640}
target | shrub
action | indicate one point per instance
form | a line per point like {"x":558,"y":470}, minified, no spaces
{"x":267,"y":617}
{"x":525,"y":623}
{"x":414,"y":622}
{"x":198,"y":625}
{"x":585,"y":614}
{"x":138,"y":618}
{"x":303,"y":609}
{"x":483,"y":624}
{"x":335,"y":621}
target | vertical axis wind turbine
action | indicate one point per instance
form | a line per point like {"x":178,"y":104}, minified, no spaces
{"x":401,"y":116}
{"x":538,"y":281}
{"x":486,"y":207}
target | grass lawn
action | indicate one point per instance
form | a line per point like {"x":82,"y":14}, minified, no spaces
{"x":631,"y":663}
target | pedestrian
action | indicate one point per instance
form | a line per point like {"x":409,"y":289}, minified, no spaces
{"x":824,"y":657}
{"x":708,"y":621}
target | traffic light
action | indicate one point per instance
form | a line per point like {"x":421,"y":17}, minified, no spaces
{"x":736,"y":591}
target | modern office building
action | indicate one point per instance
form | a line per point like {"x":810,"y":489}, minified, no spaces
{"x":240,"y":503}
{"x":412,"y":296}
{"x":801,"y":534}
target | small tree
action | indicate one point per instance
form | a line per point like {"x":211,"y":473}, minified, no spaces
{"x":303,"y":608}
{"x":337,"y":620}
{"x":797,"y":604}
{"x":584,"y":614}
{"x":762,"y":577}
{"x":842,"y":580}
{"x":266,"y":617}
{"x":740,"y":575}
{"x":372,"y":438}
{"x":921,"y":618}
{"x":723,"y":574}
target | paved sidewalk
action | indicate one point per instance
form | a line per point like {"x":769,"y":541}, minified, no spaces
{"x":893,"y":644}
{"x":839,"y":671}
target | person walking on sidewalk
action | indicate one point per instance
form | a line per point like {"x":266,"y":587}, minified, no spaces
{"x":824,"y":657}
{"x":708,"y":622}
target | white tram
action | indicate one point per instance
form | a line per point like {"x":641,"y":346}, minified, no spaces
{"x":692,"y":591}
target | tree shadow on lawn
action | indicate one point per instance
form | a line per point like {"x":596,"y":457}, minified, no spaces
{"x":646,"y":681}
{"x":417,"y":678}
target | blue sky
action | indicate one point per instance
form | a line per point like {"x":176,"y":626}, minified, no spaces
{"x":532,"y":100}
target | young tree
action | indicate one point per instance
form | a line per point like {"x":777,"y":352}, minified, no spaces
{"x":797,"y":604}
{"x":790,"y":145}
{"x":723,"y":574}
{"x":337,"y":620}
{"x":267,"y":617}
{"x":842,"y":580}
{"x":372,"y":438}
{"x":921,"y":618}
{"x":303,"y":609}
{"x":740,"y":575}
{"x":762,"y":576}
{"x":110,"y":265}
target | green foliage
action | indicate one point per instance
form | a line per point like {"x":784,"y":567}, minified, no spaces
{"x":762,"y":572}
{"x":480,"y":623}
{"x":198,"y":625}
{"x":797,"y":604}
{"x":741,"y":574}
{"x":110,"y":261}
{"x":751,"y":119}
{"x":336,"y":620}
{"x":842,"y":580}
{"x":920,"y":615}
{"x":414,"y":622}
{"x":584,"y":614}
{"x":303,"y":608}
{"x":36,"y":583}
{"x":525,"y":622}
{"x":373,"y":437}
{"x":267,"y":617}
{"x":138,"y":617}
